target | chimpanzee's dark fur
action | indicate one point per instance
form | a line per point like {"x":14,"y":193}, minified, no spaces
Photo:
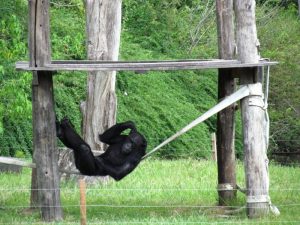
{"x":121,"y":157}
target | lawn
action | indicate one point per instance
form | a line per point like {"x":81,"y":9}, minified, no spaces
{"x":157,"y":192}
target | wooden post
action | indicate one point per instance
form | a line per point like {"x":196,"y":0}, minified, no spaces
{"x":225,"y":119}
{"x":44,"y":132}
{"x":82,"y":188}
{"x":299,"y":8}
{"x":214,"y":146}
{"x":103,"y":28}
{"x":253,"y":114}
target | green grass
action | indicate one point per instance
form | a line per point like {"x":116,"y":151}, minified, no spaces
{"x":158,"y":192}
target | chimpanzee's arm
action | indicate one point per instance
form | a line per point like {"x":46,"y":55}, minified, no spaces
{"x":113,"y":134}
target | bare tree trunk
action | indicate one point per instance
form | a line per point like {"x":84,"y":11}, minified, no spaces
{"x":253,"y":114}
{"x":103,"y":41}
{"x":225,"y":119}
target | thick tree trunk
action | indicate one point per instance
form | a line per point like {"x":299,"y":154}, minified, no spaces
{"x":45,"y":179}
{"x":103,"y":41}
{"x":225,"y":119}
{"x":253,"y":114}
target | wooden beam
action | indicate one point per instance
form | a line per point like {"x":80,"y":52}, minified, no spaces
{"x":44,"y":132}
{"x":225,"y":118}
{"x":88,"y":65}
{"x":19,"y":162}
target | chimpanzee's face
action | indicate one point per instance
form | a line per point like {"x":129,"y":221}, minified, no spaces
{"x":133,"y":141}
{"x":127,"y":146}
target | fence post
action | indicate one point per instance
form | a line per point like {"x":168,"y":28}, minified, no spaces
{"x":214,"y":146}
{"x":82,"y":188}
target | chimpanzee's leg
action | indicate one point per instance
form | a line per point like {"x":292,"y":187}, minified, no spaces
{"x":85,"y":161}
{"x":84,"y":158}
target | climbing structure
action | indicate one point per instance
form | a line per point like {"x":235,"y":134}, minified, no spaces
{"x":247,"y":68}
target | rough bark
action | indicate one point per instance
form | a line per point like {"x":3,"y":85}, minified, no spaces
{"x":103,"y":41}
{"x":253,"y":115}
{"x":45,"y":179}
{"x":45,"y":149}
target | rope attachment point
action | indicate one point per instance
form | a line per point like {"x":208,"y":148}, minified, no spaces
{"x":258,"y":199}
{"x":225,"y":187}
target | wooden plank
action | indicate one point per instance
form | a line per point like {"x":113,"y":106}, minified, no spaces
{"x":253,"y":114}
{"x":225,"y":118}
{"x":19,"y":162}
{"x":140,"y":65}
{"x":140,"y":61}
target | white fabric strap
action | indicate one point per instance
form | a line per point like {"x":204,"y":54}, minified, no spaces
{"x":225,"y":187}
{"x":258,"y":199}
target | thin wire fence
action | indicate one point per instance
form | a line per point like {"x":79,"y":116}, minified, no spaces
{"x":144,"y":206}
{"x":66,"y":189}
{"x":172,"y":222}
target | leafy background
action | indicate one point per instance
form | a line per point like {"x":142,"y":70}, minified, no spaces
{"x":159,"y":102}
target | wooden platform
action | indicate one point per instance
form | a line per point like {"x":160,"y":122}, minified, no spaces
{"x":88,"y":65}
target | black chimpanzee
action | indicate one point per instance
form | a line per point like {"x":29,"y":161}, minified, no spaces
{"x":121,"y":157}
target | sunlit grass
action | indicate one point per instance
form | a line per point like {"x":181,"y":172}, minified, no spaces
{"x":157,"y":192}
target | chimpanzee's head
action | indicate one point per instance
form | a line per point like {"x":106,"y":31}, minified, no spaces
{"x":134,"y":141}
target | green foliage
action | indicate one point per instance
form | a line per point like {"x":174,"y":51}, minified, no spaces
{"x":274,"y":3}
{"x":15,"y":104}
{"x":69,"y":92}
{"x":67,"y":33}
{"x":157,"y":117}
{"x":159,"y":109}
{"x":280,"y":38}
{"x":159,"y":102}
{"x":174,"y":28}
